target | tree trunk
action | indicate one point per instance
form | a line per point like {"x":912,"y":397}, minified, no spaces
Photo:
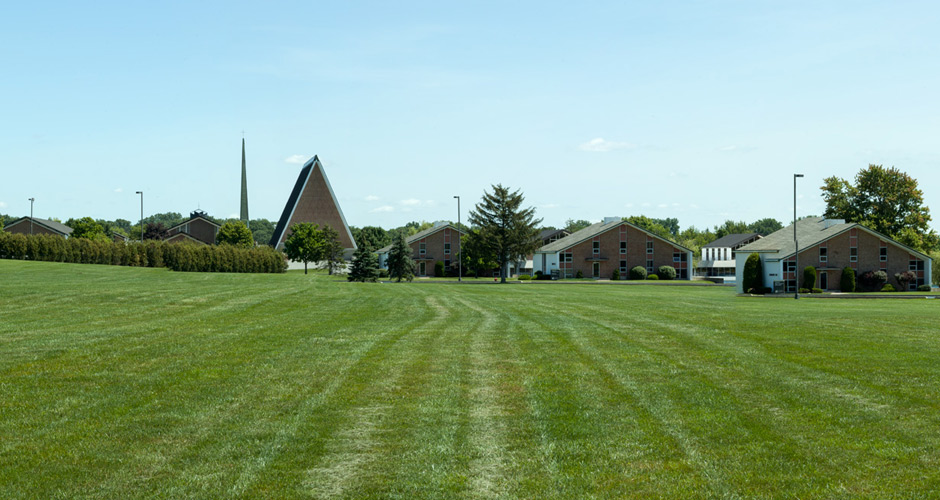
{"x":305,"y":267}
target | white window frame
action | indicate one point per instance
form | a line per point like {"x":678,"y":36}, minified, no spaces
{"x":446,"y":248}
{"x":596,"y":247}
{"x":853,"y":258}
{"x":823,"y":254}
{"x":422,"y":248}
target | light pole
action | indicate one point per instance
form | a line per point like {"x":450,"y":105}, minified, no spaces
{"x":31,"y":200}
{"x":459,"y":255}
{"x":796,"y":243}
{"x":141,"y":193}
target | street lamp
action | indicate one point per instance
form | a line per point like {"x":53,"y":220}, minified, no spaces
{"x":459,"y":255}
{"x":31,"y":200}
{"x":141,"y":193}
{"x":796,"y":243}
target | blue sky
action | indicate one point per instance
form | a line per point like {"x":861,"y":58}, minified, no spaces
{"x":696,"y":110}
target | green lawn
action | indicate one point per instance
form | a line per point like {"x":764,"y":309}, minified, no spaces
{"x":118,"y":382}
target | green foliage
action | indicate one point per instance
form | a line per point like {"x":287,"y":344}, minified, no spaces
{"x":935,"y":267}
{"x":888,"y":288}
{"x":872,"y":281}
{"x":477,"y":257}
{"x":86,"y":227}
{"x":615,"y":275}
{"x":579,"y":274}
{"x":666,"y":273}
{"x":638,"y":273}
{"x":817,"y":290}
{"x":438,"y":269}
{"x":400,"y":265}
{"x":652,"y":277}
{"x":305,"y":243}
{"x":525,"y":277}
{"x":731,"y":227}
{"x":572,"y":225}
{"x":168,"y":219}
{"x":365,"y":265}
{"x":847,"y":282}
{"x":809,"y":277}
{"x":923,"y":288}
{"x":235,"y":233}
{"x":507,"y":229}
{"x":332,"y":250}
{"x":372,"y":236}
{"x":753,"y":274}
{"x":261,"y":230}
{"x":886,"y":200}
{"x":764,"y":227}
{"x":647,"y":224}
{"x":177,"y":257}
{"x":155,"y":231}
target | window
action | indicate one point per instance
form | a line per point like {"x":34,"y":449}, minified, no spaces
{"x":597,"y":270}
{"x":446,"y":248}
{"x":916,"y":265}
{"x":597,"y":247}
{"x":623,"y":247}
{"x":884,"y":254}
{"x":677,"y":257}
{"x":623,"y":267}
{"x":649,"y":265}
{"x":649,"y":247}
{"x":422,"y":248}
{"x":823,"y":254}
{"x":565,"y":257}
{"x":789,"y":267}
{"x":853,"y":254}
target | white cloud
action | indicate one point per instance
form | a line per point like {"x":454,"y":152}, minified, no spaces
{"x":662,"y":205}
{"x":600,"y":145}
{"x":296,"y":159}
{"x":372,"y":197}
{"x":411,"y":202}
{"x":119,"y":190}
{"x":3,"y":204}
{"x":429,"y":203}
{"x":234,"y":216}
{"x":383,"y":208}
{"x":629,"y":205}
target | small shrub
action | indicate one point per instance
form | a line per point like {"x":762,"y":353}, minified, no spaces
{"x":653,"y":277}
{"x":753,"y":274}
{"x":805,"y":290}
{"x":817,"y":290}
{"x":666,"y":272}
{"x":888,"y":288}
{"x":383,"y":273}
{"x":904,"y":279}
{"x":847,"y":284}
{"x":638,"y":273}
{"x":809,"y":277}
{"x":924,"y":288}
{"x":579,"y":274}
{"x":872,"y":281}
{"x":615,"y":275}
{"x":524,"y":277}
{"x":438,"y":269}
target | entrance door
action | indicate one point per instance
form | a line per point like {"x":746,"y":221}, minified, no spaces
{"x":421,"y":269}
{"x":597,"y":270}
{"x":824,"y":280}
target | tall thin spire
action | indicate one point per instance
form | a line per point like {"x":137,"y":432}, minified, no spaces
{"x":244,"y":211}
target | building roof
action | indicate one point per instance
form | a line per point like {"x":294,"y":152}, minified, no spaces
{"x":419,"y":235}
{"x":49,"y":224}
{"x":198,"y":214}
{"x":810,"y":232}
{"x":548,"y":233}
{"x":731,"y":240}
{"x":594,"y":230}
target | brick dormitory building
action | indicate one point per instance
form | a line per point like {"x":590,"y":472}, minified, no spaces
{"x":830,"y":245}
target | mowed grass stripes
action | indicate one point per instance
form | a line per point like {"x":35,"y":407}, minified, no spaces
{"x":119,"y":382}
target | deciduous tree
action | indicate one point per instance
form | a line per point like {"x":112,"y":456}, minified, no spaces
{"x":305,"y":243}
{"x":235,"y":233}
{"x":86,"y":227}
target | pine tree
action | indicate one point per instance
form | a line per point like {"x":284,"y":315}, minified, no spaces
{"x":365,"y":265}
{"x":400,"y":265}
{"x":509,"y":231}
{"x":332,"y":250}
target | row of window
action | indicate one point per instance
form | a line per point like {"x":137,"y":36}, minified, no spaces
{"x":853,"y":254}
{"x":423,"y":248}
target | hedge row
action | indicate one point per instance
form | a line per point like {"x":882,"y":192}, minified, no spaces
{"x":175,"y":256}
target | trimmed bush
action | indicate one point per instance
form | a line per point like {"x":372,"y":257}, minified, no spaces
{"x":924,"y":288}
{"x":615,"y":275}
{"x":817,"y":290}
{"x":438,"y":269}
{"x":653,"y":277}
{"x":888,"y":288}
{"x":805,"y":290}
{"x":872,"y":281}
{"x":638,"y":273}
{"x":666,"y":272}
{"x":753,"y":274}
{"x":847,"y":284}
{"x":809,"y":277}
{"x":579,"y":274}
{"x":525,"y":277}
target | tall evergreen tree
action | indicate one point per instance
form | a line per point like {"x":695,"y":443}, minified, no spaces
{"x":510,"y":231}
{"x":332,"y":250}
{"x":400,"y":265}
{"x":365,"y":265}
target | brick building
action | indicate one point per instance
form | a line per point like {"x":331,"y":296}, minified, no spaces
{"x":197,"y":229}
{"x":436,"y":244}
{"x":599,"y":249}
{"x":35,"y":225}
{"x":312,"y":200}
{"x":718,"y":257}
{"x":830,"y":245}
